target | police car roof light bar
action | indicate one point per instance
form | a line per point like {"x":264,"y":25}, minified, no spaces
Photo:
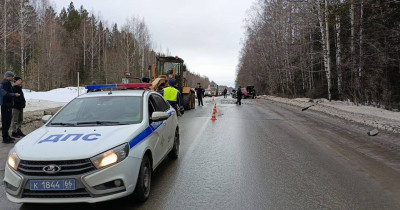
{"x":93,"y":87}
{"x":134,"y":85}
{"x":120,"y":86}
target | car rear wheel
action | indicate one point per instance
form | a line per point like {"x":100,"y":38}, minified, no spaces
{"x":173,"y":154}
{"x":142,"y":190}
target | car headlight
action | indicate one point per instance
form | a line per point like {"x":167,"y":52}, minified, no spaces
{"x":13,"y":159}
{"x":111,"y":156}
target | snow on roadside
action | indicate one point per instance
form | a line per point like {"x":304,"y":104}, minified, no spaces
{"x":379,"y":118}
{"x":50,"y":99}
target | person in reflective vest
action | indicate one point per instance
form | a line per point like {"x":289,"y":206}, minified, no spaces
{"x":172,"y":95}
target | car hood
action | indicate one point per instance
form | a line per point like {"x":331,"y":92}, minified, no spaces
{"x":69,"y":143}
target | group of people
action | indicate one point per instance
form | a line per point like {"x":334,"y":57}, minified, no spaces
{"x":200,"y":94}
{"x":12,"y":102}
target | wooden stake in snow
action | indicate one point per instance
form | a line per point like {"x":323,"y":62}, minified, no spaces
{"x":304,"y":109}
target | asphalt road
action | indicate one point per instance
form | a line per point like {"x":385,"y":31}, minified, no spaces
{"x":267,"y":155}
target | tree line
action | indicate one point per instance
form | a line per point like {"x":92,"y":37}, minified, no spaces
{"x":48,"y":49}
{"x":336,"y":49}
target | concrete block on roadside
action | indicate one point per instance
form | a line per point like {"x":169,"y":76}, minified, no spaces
{"x":373,"y":132}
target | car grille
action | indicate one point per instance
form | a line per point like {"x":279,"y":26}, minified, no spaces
{"x":79,"y":193}
{"x":68,"y":168}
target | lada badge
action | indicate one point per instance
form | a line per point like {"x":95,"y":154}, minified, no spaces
{"x":52,"y":169}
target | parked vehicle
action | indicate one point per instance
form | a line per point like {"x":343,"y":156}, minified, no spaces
{"x":250,"y":92}
{"x":208,"y":92}
{"x":101,"y":146}
{"x":214,"y":90}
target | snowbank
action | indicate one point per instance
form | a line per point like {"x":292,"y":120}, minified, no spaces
{"x":50,"y":99}
{"x":379,"y":118}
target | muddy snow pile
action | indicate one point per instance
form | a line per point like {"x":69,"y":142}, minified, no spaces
{"x":371,"y":116}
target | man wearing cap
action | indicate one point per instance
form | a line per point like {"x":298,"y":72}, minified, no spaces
{"x":7,"y":104}
{"x":239,"y":95}
{"x":172,"y":95}
{"x":18,"y":109}
{"x":200,"y":94}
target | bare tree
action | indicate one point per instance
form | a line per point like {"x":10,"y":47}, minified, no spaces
{"x":324,"y":28}
{"x":338,"y":47}
{"x":4,"y":35}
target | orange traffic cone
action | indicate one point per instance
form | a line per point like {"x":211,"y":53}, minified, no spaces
{"x":256,"y":100}
{"x":213,"y":98}
{"x":215,"y":108}
{"x":213,"y":118}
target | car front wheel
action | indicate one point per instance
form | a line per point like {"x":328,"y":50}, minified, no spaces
{"x":142,"y":190}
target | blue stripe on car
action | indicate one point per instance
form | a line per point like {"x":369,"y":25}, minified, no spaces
{"x":147,"y":132}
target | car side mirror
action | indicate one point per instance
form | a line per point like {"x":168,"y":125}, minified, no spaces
{"x":46,"y":118}
{"x":159,"y":116}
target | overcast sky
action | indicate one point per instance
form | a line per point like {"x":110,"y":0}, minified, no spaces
{"x":207,"y":34}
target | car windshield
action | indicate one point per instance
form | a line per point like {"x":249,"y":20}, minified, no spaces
{"x":102,"y":110}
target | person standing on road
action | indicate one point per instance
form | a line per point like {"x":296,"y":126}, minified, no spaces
{"x":7,"y":104}
{"x":225,"y":92}
{"x":200,"y":94}
{"x":18,"y":109}
{"x":173,"y":96}
{"x":239,"y":96}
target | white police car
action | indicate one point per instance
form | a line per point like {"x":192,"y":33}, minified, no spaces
{"x":100,"y":146}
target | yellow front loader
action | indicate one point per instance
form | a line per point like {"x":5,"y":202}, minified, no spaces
{"x":172,"y":67}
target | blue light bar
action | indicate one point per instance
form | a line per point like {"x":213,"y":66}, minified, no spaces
{"x":94,"y":87}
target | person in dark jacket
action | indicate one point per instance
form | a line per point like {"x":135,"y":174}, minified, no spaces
{"x":200,"y":94}
{"x":239,"y":96}
{"x":225,"y":92}
{"x":18,"y":109}
{"x":6,"y":106}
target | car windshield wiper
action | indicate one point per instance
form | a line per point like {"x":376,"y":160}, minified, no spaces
{"x":97,"y":122}
{"x":62,"y":124}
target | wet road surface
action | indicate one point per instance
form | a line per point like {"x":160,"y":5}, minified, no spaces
{"x":268,"y":156}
